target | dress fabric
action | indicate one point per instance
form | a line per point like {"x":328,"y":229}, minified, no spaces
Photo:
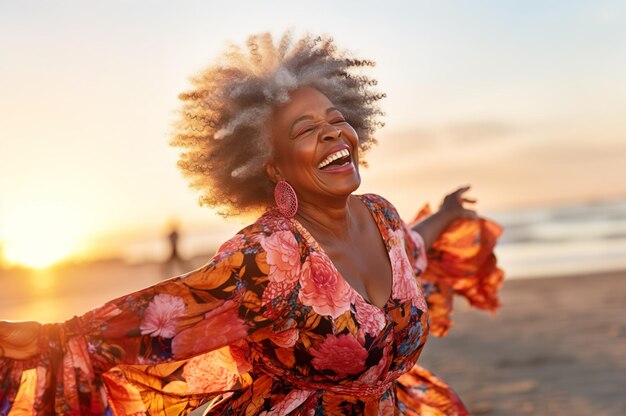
{"x":267,"y":327}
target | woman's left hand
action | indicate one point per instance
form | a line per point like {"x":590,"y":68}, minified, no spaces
{"x":450,"y":209}
{"x":452,"y":205}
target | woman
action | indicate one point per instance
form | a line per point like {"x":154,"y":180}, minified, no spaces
{"x":320,"y":306}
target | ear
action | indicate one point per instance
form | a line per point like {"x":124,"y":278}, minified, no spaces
{"x":272,"y":171}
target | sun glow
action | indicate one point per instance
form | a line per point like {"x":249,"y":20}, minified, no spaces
{"x":41,"y":234}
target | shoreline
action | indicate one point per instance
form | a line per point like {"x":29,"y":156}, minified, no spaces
{"x":609,"y":273}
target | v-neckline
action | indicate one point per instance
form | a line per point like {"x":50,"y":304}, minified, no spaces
{"x":313,"y":242}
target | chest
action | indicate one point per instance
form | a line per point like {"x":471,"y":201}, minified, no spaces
{"x":364,"y":264}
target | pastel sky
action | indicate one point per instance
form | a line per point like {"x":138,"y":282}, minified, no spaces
{"x":523,"y":100}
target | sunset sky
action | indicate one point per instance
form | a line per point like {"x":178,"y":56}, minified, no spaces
{"x":523,"y":100}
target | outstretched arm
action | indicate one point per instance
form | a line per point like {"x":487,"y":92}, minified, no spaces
{"x":128,"y":329}
{"x":455,"y":258}
{"x":55,"y":367}
{"x":451,"y":209}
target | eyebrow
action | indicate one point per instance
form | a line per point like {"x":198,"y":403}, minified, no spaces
{"x":308,"y":117}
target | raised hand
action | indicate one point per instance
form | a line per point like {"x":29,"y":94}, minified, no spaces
{"x":452,"y":206}
{"x":451,"y":209}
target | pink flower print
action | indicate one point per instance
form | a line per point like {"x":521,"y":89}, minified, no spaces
{"x":159,"y":319}
{"x":233,"y":245}
{"x":342,"y":354}
{"x":212,"y":371}
{"x":272,"y":292}
{"x":422,"y":260}
{"x":274,"y":221}
{"x":221,"y":326}
{"x":370,"y":318}
{"x":283,"y":256}
{"x":323,"y":288}
{"x":405,"y":286}
{"x":373,"y":374}
{"x":286,"y":339}
{"x":420,"y":301}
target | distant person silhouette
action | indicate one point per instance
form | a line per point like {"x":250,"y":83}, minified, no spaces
{"x":174,"y":264}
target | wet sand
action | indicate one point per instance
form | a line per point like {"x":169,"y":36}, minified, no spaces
{"x":556,"y":347}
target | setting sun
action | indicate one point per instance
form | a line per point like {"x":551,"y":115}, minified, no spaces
{"x":41,"y":234}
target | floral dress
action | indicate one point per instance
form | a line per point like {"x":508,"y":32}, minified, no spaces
{"x":267,"y":327}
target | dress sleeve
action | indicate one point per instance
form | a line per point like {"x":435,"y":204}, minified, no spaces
{"x":461,"y":261}
{"x":131,"y":355}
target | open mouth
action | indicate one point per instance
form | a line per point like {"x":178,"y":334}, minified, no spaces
{"x":334,"y":160}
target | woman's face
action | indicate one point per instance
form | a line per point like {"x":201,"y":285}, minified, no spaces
{"x":315,"y":149}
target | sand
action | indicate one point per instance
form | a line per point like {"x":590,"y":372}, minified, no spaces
{"x":556,"y":347}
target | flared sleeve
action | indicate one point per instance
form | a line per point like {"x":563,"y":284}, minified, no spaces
{"x":162,"y":350}
{"x":460,"y":262}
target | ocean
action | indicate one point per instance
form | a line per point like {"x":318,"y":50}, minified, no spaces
{"x":563,"y":240}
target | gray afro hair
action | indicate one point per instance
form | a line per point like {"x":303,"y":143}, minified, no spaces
{"x":222,"y":127}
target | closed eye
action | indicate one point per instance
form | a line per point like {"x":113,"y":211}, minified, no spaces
{"x":306,"y":130}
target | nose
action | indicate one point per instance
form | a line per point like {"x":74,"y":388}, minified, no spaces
{"x":329,"y":133}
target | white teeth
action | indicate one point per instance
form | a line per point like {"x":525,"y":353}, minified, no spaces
{"x":334,"y":156}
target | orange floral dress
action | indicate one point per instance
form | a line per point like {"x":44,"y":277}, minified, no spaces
{"x":267,"y":327}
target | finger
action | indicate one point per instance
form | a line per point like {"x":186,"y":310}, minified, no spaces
{"x":457,"y":194}
{"x":460,"y":191}
{"x":470,"y":200}
{"x":470,"y":214}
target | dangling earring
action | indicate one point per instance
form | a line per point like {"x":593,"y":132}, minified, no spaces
{"x":286,"y":199}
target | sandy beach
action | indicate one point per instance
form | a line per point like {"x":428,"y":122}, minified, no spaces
{"x":556,"y":347}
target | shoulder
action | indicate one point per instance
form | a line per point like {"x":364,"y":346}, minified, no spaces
{"x":383,"y":208}
{"x":251,"y":239}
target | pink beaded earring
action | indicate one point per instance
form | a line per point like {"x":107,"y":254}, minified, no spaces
{"x":286,"y":199}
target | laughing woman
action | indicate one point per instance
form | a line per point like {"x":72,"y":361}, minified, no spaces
{"x":321,"y":306}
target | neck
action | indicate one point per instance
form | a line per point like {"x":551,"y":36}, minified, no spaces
{"x":330,"y":219}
